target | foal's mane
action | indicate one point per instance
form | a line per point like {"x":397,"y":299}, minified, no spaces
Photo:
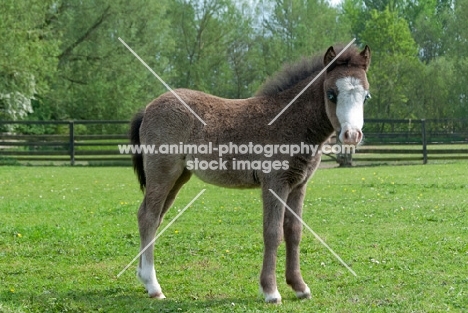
{"x":293,"y":73}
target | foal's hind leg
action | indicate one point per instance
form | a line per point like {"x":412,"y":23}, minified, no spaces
{"x":292,"y":236}
{"x":183,"y":178}
{"x":273,"y":214}
{"x":161,"y":181}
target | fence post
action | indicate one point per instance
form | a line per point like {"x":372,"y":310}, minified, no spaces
{"x":71,"y":125}
{"x":424,"y":140}
{"x":344,"y":159}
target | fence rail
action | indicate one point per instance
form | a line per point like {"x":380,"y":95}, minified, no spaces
{"x":73,"y":142}
{"x":96,"y":142}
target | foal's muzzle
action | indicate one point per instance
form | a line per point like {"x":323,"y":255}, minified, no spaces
{"x":350,"y":136}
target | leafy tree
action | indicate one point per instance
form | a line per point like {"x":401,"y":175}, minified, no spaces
{"x":296,"y":28}
{"x":430,"y":95}
{"x":429,"y":29}
{"x":62,"y":58}
{"x":394,"y":58}
{"x":355,"y":13}
{"x":426,"y":20}
{"x":243,"y":54}
{"x":402,"y":87}
{"x":27,"y":49}
{"x":458,"y":52}
{"x":98,"y":78}
{"x":215,"y":41}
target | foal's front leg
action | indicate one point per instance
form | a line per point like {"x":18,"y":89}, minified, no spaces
{"x":273,"y":214}
{"x":292,"y":236}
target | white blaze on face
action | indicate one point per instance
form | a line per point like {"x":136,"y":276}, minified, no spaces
{"x":350,"y":109}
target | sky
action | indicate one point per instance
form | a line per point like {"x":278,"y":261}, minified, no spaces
{"x":332,"y":2}
{"x":268,"y":7}
{"x":335,"y":2}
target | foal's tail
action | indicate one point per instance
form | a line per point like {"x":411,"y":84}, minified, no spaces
{"x":137,"y":158}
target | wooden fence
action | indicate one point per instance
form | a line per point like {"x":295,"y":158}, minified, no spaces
{"x":96,"y":142}
{"x":72,"y":142}
{"x":413,"y":141}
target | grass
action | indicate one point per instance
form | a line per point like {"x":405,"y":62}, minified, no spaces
{"x":65,"y":233}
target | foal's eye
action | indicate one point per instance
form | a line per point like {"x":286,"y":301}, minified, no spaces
{"x":368,"y":96}
{"x":331,"y":96}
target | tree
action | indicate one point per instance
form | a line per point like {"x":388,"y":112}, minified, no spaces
{"x":62,"y":58}
{"x":426,"y":20}
{"x":457,"y":32}
{"x":430,"y":95}
{"x":216,"y":47}
{"x":394,"y":58}
{"x":192,"y":23}
{"x":296,"y":28}
{"x":243,"y":55}
{"x":28,"y":49}
{"x":97,"y":77}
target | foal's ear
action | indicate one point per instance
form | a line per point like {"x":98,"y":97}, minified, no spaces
{"x":366,"y":54}
{"x":329,"y":56}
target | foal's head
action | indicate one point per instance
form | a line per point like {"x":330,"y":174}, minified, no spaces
{"x":346,"y":89}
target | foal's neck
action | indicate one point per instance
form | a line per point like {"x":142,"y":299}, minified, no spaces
{"x":310,"y":110}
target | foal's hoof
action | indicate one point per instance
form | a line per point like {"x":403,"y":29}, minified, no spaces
{"x":273,"y":298}
{"x":157,"y":295}
{"x":304,"y":294}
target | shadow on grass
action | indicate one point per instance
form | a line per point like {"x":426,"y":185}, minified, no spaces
{"x":117,"y":301}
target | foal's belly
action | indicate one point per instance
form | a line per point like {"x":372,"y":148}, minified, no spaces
{"x":224,"y":172}
{"x":230,"y":179}
{"x":242,"y":171}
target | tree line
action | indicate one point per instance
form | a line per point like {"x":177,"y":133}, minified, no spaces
{"x":61,"y":59}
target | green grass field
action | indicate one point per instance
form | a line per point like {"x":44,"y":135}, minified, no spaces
{"x":65,"y":233}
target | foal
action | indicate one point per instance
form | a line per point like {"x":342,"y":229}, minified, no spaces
{"x":334,"y":102}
